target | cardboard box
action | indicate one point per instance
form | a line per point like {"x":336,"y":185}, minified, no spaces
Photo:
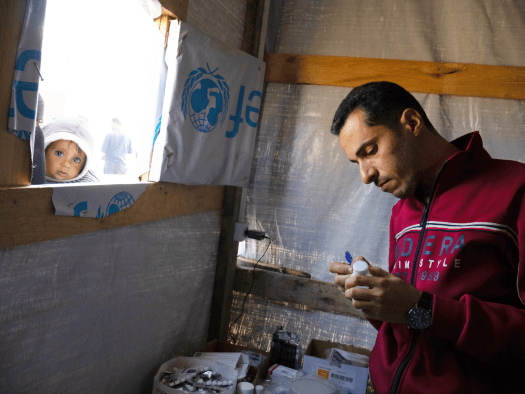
{"x":352,"y":378}
{"x":280,"y":373}
{"x":258,"y":358}
{"x":185,"y":362}
{"x":237,"y":360}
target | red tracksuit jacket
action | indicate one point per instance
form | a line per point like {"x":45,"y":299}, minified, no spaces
{"x":465,"y":247}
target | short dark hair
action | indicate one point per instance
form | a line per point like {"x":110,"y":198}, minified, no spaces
{"x":382,"y":104}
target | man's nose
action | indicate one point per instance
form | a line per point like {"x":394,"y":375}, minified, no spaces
{"x":368,"y":173}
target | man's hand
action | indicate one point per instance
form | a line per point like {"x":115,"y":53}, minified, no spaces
{"x":388,"y":297}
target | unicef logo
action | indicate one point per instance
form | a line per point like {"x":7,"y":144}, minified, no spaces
{"x":117,"y":203}
{"x":205,"y":97}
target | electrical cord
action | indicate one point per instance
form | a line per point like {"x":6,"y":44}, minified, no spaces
{"x":232,"y":337}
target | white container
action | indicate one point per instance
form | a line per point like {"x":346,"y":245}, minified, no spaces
{"x":359,"y":267}
{"x":245,"y":388}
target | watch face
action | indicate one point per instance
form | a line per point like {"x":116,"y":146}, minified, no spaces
{"x":419,"y":318}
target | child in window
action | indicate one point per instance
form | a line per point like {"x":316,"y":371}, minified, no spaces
{"x":68,"y":147}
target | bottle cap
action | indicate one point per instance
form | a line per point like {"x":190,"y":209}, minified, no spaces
{"x":360,"y":267}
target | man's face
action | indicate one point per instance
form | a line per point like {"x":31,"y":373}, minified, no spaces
{"x":64,"y":160}
{"x":386,"y":157}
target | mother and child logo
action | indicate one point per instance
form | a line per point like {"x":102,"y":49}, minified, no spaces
{"x":201,"y":85}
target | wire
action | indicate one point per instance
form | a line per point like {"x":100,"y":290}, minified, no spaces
{"x":232,"y":337}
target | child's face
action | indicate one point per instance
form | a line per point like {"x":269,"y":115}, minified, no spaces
{"x":64,"y":160}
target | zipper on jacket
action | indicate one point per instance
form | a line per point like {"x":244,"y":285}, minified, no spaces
{"x":404,"y":364}
{"x":423,"y":224}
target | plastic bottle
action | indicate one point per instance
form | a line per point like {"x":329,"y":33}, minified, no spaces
{"x":360,"y":267}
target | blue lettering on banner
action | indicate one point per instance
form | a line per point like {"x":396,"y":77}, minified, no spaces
{"x":20,"y":87}
{"x":237,"y":118}
{"x":250,"y":109}
{"x":26,"y":56}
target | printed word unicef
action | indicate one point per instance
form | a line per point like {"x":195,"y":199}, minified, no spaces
{"x":205,"y":98}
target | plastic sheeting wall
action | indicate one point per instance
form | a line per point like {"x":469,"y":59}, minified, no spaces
{"x":305,"y":194}
{"x":99,"y":313}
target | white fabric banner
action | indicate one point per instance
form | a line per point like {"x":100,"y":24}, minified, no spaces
{"x":24,"y":96}
{"x":90,"y":200}
{"x":210,"y":113}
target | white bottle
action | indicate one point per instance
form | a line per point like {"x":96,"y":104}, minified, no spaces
{"x":360,"y":267}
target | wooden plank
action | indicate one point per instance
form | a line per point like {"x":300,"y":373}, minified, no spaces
{"x":458,"y":79}
{"x":225,"y":272}
{"x":15,"y":155}
{"x":252,"y":26}
{"x":179,"y":8}
{"x":26,"y":214}
{"x":275,"y":286}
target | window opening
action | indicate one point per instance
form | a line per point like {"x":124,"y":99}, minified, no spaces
{"x":102,"y":61}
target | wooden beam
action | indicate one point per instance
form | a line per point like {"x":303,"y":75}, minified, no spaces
{"x":26,"y":214}
{"x":458,"y":79}
{"x":15,"y":155}
{"x":252,"y":26}
{"x":275,"y":286}
{"x":225,"y":271}
{"x":178,"y":8}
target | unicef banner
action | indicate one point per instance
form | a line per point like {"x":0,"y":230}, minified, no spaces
{"x":210,"y":113}
{"x":24,"y":96}
{"x":88,"y":200}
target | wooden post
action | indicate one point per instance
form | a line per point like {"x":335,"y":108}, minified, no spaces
{"x":228,"y":248}
{"x":15,"y":154}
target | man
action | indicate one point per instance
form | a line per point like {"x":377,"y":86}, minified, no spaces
{"x":115,"y":148}
{"x":450,"y":314}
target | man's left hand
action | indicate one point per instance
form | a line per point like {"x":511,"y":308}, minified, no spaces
{"x":387,"y":298}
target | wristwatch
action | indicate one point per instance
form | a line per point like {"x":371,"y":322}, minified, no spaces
{"x":420,"y":316}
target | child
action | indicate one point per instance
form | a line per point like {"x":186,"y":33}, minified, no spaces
{"x":68,"y":146}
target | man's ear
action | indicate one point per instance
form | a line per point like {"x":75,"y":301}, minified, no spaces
{"x":412,"y":121}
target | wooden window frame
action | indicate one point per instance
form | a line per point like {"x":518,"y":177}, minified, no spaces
{"x":26,"y":212}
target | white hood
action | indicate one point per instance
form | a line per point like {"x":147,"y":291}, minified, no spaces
{"x":73,"y":129}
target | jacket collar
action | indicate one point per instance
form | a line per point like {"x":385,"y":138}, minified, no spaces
{"x":471,"y":156}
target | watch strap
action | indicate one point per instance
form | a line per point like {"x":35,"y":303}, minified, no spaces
{"x":426,"y":301}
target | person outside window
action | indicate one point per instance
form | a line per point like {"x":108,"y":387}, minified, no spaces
{"x":116,"y":148}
